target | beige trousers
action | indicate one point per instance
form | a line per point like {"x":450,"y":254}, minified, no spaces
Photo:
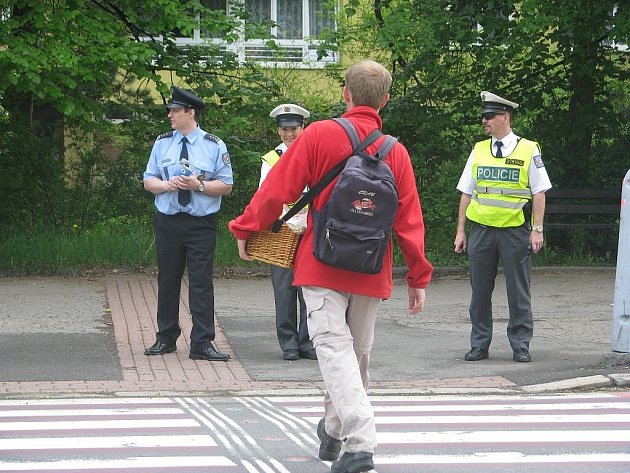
{"x":341,"y":326}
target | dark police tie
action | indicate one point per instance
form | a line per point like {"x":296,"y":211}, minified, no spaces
{"x":499,"y":152}
{"x":184,"y":195}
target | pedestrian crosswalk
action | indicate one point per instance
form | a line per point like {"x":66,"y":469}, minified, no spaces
{"x":533,"y":434}
{"x":273,"y":434}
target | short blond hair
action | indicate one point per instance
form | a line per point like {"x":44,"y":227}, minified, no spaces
{"x":369,"y":83}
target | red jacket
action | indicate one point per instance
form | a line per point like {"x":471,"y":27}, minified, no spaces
{"x":318,"y":149}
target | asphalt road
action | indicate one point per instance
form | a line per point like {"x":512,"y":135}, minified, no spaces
{"x":59,"y":328}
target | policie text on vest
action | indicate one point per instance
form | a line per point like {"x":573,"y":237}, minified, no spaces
{"x":491,"y":173}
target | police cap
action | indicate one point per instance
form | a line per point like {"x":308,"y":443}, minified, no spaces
{"x":289,"y":114}
{"x":493,"y":103}
{"x":184,"y":99}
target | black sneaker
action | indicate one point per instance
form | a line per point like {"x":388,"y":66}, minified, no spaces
{"x":291,"y":355}
{"x":476,"y":354}
{"x":353,"y":462}
{"x":522,"y":355}
{"x":329,"y":447}
{"x":308,"y":354}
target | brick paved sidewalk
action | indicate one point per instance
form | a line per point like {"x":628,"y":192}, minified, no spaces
{"x":132,"y":302}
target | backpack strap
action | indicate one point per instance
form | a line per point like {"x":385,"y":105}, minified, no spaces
{"x":357,"y":147}
{"x":383,"y":150}
{"x":386,"y":146}
{"x":351,"y":131}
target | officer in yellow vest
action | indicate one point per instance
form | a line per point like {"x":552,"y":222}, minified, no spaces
{"x":292,"y":331}
{"x":503,"y":196}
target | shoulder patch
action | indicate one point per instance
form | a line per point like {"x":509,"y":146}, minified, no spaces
{"x":168,"y":134}
{"x":226,"y":158}
{"x":538,"y":161}
{"x":279,"y":151}
{"x":211,"y":137}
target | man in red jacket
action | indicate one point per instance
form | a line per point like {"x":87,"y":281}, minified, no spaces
{"x":342,"y":304}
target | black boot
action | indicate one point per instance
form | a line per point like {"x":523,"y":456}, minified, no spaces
{"x":353,"y":462}
{"x":329,"y":447}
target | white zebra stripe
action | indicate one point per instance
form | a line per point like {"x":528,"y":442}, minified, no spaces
{"x":469,"y":400}
{"x":139,"y":441}
{"x":410,"y":407}
{"x":503,"y":436}
{"x":128,"y":411}
{"x":108,"y":401}
{"x":99,"y":424}
{"x":119,"y":464}
{"x":506,"y":419}
{"x":504,"y":457}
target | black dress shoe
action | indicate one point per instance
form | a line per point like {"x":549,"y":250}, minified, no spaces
{"x":209,"y":354}
{"x":290,"y":355}
{"x":476,"y":354}
{"x":309,"y":354}
{"x":522,"y":355}
{"x":329,"y":447}
{"x":159,"y":348}
{"x":353,"y":462}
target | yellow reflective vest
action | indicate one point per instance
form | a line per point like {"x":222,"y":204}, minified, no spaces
{"x":271,"y":157}
{"x":502,"y":185}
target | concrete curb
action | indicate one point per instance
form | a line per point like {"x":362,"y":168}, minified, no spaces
{"x":587,"y":382}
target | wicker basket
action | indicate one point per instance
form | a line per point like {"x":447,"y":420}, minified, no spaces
{"x":274,"y":248}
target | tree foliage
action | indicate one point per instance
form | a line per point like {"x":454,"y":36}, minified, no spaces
{"x":66,"y":65}
{"x":566,"y":63}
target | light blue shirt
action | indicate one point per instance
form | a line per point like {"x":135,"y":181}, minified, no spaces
{"x":207,"y":155}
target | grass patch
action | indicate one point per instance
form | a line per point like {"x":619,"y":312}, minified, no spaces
{"x":126,"y":243}
{"x":115,"y":243}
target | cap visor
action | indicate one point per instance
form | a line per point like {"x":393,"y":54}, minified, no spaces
{"x":172,"y":106}
{"x":288,"y":123}
{"x":493,"y":109}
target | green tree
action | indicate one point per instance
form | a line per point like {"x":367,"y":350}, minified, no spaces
{"x":66,"y":65}
{"x":566,"y":63}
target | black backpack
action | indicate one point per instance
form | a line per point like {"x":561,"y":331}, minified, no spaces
{"x":352,"y":231}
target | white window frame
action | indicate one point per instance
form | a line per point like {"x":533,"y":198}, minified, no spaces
{"x":302,"y":53}
{"x":622,"y":47}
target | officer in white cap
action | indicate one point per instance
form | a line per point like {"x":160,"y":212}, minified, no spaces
{"x":492,"y":103}
{"x":291,"y":330}
{"x":289,"y":114}
{"x":503,"y":189}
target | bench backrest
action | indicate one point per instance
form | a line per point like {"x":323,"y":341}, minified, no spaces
{"x":583,"y":202}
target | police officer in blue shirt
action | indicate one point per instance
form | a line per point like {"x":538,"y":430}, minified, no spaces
{"x":188,"y":171}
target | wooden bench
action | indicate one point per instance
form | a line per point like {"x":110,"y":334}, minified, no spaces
{"x":582,"y":208}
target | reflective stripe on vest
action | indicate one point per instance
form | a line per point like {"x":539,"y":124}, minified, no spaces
{"x":506,"y":191}
{"x":502,"y":185}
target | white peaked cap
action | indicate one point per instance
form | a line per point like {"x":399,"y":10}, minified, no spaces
{"x":289,"y":114}
{"x":493,"y":103}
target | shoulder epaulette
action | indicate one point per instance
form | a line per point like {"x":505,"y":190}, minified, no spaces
{"x":211,"y":137}
{"x":168,"y":134}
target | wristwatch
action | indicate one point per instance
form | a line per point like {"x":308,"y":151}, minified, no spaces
{"x":202,"y":187}
{"x":538,"y":228}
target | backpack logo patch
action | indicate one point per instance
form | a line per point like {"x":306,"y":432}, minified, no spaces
{"x":364,"y":206}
